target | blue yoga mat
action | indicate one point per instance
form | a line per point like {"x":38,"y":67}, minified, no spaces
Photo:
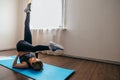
{"x":49,"y":72}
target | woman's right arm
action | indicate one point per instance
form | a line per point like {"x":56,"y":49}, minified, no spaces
{"x":19,"y":65}
{"x":15,"y":61}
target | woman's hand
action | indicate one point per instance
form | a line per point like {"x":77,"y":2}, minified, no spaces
{"x":19,"y":65}
{"x":18,"y":53}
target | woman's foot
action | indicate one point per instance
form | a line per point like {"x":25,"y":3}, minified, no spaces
{"x":54,"y":46}
{"x":28,"y":8}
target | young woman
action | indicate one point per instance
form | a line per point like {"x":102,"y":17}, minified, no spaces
{"x":24,"y":48}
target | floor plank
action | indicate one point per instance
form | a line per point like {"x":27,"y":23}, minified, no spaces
{"x":106,"y":72}
{"x":6,"y":74}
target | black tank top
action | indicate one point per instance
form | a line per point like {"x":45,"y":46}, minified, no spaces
{"x":25,"y":58}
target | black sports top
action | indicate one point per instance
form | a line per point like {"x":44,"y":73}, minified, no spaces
{"x":26,"y":57}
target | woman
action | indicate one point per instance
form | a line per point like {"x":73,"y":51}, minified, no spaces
{"x":24,"y":48}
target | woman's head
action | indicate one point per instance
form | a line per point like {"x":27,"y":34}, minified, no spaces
{"x":38,"y":65}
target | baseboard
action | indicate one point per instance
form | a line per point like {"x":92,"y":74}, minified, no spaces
{"x":93,"y":59}
{"x":7,"y":49}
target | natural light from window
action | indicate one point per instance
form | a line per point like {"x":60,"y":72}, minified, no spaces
{"x":46,"y":14}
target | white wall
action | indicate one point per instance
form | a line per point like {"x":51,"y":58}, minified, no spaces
{"x":21,"y":19}
{"x":93,"y":29}
{"x":8,"y":23}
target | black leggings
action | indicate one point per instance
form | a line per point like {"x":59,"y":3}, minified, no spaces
{"x":27,"y":32}
{"x":26,"y":44}
{"x":28,"y":36}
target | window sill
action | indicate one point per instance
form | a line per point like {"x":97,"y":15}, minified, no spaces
{"x":63,"y":29}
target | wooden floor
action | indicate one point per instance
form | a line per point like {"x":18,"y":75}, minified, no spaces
{"x":84,"y":69}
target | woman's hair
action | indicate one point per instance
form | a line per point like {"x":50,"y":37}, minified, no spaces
{"x":37,"y":65}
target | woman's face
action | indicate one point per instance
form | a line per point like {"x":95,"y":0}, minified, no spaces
{"x":32,"y":60}
{"x":35,"y":63}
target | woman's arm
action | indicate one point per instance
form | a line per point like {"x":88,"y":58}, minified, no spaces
{"x":20,"y":65}
{"x":15,"y":61}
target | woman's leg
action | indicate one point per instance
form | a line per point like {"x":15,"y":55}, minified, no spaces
{"x":27,"y":32}
{"x":40,"y":48}
{"x":52,"y":46}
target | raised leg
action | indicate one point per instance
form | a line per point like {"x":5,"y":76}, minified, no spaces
{"x":27,"y":32}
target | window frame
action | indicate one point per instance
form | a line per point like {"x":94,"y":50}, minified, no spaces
{"x":63,"y":17}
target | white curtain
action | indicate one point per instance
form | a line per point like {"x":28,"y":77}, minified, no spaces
{"x":43,"y":36}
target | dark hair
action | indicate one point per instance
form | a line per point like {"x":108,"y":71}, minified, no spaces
{"x":37,"y":65}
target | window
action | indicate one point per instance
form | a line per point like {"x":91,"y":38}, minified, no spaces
{"x":47,"y":14}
